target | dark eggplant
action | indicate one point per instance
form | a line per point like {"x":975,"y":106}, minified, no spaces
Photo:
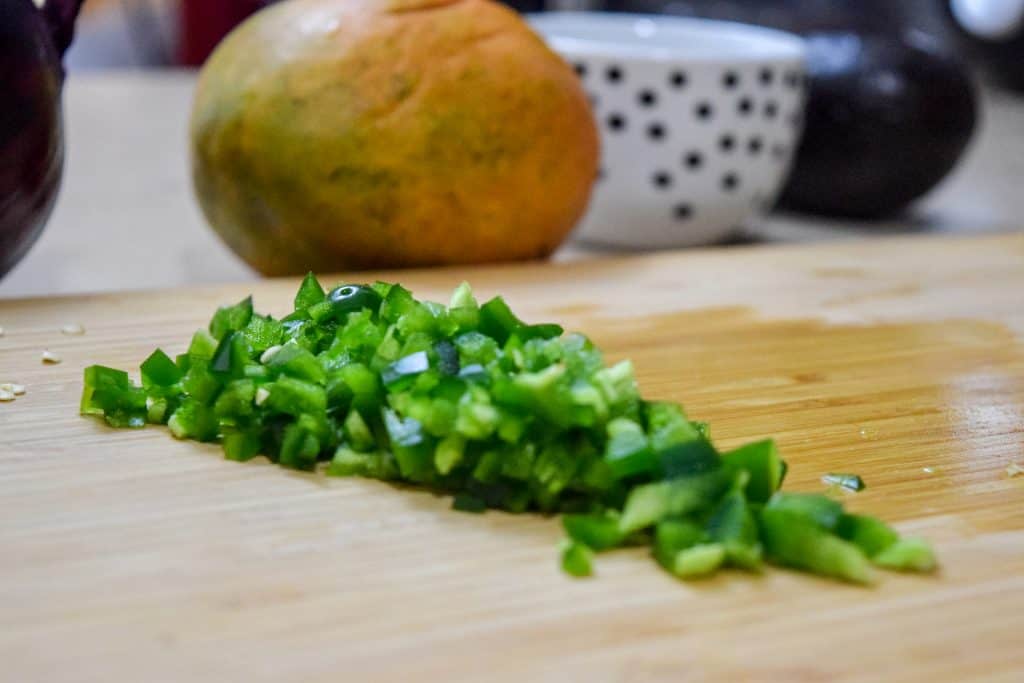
{"x":886,"y":120}
{"x":32,"y":43}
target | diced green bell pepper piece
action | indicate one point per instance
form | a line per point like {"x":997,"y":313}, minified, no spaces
{"x":236,"y":400}
{"x":372,"y":464}
{"x":732,"y":524}
{"x":231,"y":318}
{"x":241,"y":444}
{"x":554,"y":468}
{"x":299,"y":447}
{"x":411,"y":446}
{"x":820,"y":510}
{"x":357,"y":432}
{"x":488,"y":467}
{"x":793,"y":538}
{"x":263,"y":332}
{"x":447,"y":357}
{"x":699,"y":561}
{"x":107,"y":391}
{"x":310,"y":293}
{"x":295,"y":396}
{"x":159,"y":370}
{"x":687,"y":458}
{"x":400,"y":374}
{"x":295,"y":361}
{"x":477,"y":418}
{"x":650,"y":503}
{"x":577,"y":559}
{"x":193,"y":420}
{"x":870,"y":534}
{"x":673,"y":536}
{"x":627,"y":450}
{"x":907,"y":555}
{"x":449,"y":453}
{"x":231,"y":356}
{"x":202,"y":346}
{"x":497,"y":320}
{"x":597,"y":532}
{"x":475,"y":348}
{"x":761,"y":460}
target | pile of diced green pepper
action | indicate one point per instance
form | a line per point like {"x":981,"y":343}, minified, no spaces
{"x":467,"y":399}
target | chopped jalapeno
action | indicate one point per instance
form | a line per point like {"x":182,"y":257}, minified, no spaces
{"x":470,"y":400}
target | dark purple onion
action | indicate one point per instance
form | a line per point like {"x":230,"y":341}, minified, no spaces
{"x":32,"y":43}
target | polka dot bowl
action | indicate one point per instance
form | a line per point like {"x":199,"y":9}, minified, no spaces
{"x":698,"y":122}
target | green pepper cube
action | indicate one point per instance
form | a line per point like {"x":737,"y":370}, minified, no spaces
{"x":650,"y":503}
{"x":403,"y":371}
{"x":231,"y":318}
{"x":295,"y":361}
{"x":449,"y":453}
{"x":410,"y":444}
{"x":761,"y":460}
{"x":310,"y":293}
{"x":577,"y":559}
{"x":598,"y":532}
{"x":497,"y":320}
{"x":795,"y":539}
{"x":357,"y":432}
{"x":870,"y":534}
{"x":699,"y":561}
{"x":159,"y":370}
{"x":241,"y":445}
{"x":299,"y":448}
{"x":907,"y":555}
{"x":819,"y":510}
{"x":627,"y":450}
{"x":295,"y":396}
{"x":673,"y":536}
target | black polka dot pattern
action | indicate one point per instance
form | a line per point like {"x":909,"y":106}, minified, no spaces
{"x":616,"y":122}
{"x":700,"y":137}
{"x":682,"y":212}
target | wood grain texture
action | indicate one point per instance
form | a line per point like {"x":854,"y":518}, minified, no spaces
{"x":126,"y":555}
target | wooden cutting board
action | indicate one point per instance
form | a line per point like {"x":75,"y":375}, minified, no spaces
{"x":127,"y":555}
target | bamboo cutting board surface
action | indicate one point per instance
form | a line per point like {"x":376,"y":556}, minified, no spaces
{"x":127,"y":555}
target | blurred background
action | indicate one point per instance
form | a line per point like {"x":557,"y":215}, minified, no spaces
{"x":132,"y":72}
{"x":168,"y":33}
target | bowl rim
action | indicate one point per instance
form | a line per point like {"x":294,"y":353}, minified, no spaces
{"x":734,"y":41}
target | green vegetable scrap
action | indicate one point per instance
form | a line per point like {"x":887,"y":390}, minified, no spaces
{"x":846,"y":482}
{"x":467,"y":399}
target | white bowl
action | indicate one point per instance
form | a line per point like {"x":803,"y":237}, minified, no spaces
{"x":698,"y":121}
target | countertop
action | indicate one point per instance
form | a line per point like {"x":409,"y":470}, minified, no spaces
{"x":126,"y":217}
